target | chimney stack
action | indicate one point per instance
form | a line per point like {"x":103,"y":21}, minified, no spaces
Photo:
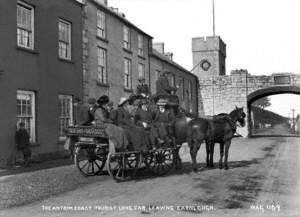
{"x":169,"y":55}
{"x":104,"y":2}
{"x":160,"y":47}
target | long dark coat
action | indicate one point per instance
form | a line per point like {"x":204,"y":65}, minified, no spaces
{"x":116,"y":134}
{"x":136,"y":136}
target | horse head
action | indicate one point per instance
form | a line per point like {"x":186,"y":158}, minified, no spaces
{"x":239,"y":115}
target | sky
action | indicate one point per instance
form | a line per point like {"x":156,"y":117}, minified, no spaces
{"x":285,"y":109}
{"x":262,"y":36}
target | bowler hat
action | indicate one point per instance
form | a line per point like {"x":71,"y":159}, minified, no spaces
{"x":103,"y":100}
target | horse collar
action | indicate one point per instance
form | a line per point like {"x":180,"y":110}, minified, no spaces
{"x":231,"y":122}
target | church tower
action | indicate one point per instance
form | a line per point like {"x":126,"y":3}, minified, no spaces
{"x":209,"y":55}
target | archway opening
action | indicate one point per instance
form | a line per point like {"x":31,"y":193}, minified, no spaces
{"x":274,"y":112}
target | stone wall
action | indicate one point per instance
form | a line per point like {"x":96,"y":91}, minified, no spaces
{"x":222,"y":93}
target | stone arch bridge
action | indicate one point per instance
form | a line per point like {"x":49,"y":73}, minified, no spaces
{"x":221,"y":94}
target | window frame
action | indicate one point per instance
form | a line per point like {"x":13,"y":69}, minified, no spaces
{"x":104,"y":79}
{"x":61,"y":135}
{"x":140,"y":45}
{"x":100,"y":28}
{"x":141,"y":67}
{"x":69,"y":51}
{"x":126,"y":40}
{"x":181,"y":87}
{"x":190,"y":95}
{"x":33,"y":127}
{"x":172,"y":80}
{"x":157,"y":74}
{"x":32,"y":9}
{"x":127,"y":76}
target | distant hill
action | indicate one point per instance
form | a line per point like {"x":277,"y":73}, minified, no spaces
{"x":267,"y":117}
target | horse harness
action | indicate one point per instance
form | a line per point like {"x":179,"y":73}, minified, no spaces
{"x":228,"y":119}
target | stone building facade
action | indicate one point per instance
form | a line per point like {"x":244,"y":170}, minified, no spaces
{"x":186,"y":82}
{"x":40,"y":72}
{"x":105,"y":28}
{"x":115,"y":52}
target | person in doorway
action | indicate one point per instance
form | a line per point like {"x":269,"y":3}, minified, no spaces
{"x":23,"y":144}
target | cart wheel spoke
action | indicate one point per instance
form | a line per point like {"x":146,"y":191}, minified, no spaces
{"x":86,"y":158}
{"x":161,"y":162}
{"x":122,"y":166}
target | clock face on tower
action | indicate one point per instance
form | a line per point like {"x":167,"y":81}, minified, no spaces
{"x":205,"y":65}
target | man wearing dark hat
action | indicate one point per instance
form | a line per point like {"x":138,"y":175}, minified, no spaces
{"x":142,"y":88}
{"x":162,"y":85}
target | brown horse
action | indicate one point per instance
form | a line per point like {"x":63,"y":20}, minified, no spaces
{"x":220,"y":129}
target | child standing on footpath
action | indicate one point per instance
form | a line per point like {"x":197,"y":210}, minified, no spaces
{"x":23,"y":144}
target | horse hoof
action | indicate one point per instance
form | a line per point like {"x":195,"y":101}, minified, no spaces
{"x":226,"y":167}
{"x":220,"y":167}
{"x":195,"y":170}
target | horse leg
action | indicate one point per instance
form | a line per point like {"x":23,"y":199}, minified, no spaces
{"x":227,"y":145}
{"x":194,"y":147}
{"x":207,"y":153}
{"x":211,"y":160}
{"x":178,"y":163}
{"x":221,"y":155}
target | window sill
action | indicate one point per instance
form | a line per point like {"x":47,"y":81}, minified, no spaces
{"x":33,"y":51}
{"x":127,"y":50}
{"x":128,"y":90}
{"x":102,"y":39}
{"x":65,"y":60}
{"x":142,"y":57}
{"x":102,"y":84}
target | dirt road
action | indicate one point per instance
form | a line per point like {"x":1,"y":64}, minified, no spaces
{"x":263,"y":180}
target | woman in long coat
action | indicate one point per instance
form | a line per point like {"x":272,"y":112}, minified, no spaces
{"x":136,"y":136}
{"x":117,"y":137}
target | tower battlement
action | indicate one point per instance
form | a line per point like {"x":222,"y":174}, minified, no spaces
{"x":209,"y":54}
{"x":201,"y":44}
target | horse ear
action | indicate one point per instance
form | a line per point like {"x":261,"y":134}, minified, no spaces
{"x":236,"y":107}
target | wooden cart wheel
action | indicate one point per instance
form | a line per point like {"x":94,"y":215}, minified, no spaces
{"x":159,"y":161}
{"x":90,"y":160}
{"x":122,"y":166}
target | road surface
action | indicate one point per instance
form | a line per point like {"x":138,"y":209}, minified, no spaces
{"x":263,"y":180}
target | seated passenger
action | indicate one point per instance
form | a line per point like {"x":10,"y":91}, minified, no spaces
{"x":117,"y":137}
{"x":162,"y":119}
{"x":135,"y":135}
{"x":144,"y":118}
